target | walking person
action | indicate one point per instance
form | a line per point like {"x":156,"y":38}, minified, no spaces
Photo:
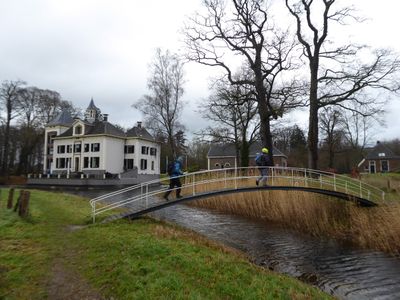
{"x":174,"y":171}
{"x":262,"y":161}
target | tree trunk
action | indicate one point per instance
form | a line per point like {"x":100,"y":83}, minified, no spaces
{"x":244,"y":153}
{"x":313,"y":117}
{"x":265,"y":126}
{"x":265,"y":130}
{"x":6,"y":146}
{"x":171,"y":144}
{"x":331,"y":156}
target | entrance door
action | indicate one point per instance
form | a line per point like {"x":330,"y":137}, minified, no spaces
{"x":372,"y":168}
{"x":76,"y":166}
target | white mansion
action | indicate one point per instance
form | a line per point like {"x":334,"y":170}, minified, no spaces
{"x":95,"y":146}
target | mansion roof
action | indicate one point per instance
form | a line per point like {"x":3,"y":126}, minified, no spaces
{"x":96,"y":123}
{"x":98,"y":127}
{"x":139,"y":131}
{"x":63,"y":118}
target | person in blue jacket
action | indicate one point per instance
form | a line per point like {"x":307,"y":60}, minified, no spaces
{"x":175,"y":171}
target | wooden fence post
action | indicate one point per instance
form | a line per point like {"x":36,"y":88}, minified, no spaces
{"x":24,"y":204}
{"x":19,"y":199}
{"x":10,"y":198}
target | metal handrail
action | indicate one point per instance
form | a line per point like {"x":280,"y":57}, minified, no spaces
{"x":294,"y":176}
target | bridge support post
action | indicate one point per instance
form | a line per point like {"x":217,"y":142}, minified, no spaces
{"x":147,"y":195}
{"x":334,"y":182}
{"x":272,"y":176}
{"x":320,"y":181}
{"x":292,"y":178}
{"x":225,"y":178}
{"x":94,"y":212}
{"x":235,"y":178}
{"x":194,"y":184}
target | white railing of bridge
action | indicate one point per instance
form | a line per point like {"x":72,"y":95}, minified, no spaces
{"x":140,"y":196}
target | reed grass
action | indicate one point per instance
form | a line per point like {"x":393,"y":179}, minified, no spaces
{"x":388,"y":182}
{"x":375,"y":228}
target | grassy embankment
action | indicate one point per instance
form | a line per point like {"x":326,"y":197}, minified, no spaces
{"x":375,"y":228}
{"x":45,"y":256}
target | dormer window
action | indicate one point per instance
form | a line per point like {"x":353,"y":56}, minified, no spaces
{"x":78,"y":129}
{"x":382,"y":154}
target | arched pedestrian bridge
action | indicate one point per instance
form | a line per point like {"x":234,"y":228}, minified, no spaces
{"x":148,"y":196}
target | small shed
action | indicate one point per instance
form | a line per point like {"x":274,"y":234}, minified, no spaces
{"x":379,"y":159}
{"x":224,"y":156}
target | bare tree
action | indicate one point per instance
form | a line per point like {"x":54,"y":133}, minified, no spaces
{"x":163,"y":106}
{"x":197,"y":154}
{"x":343,"y":79}
{"x":331,"y":127}
{"x":9,"y":93}
{"x":242,"y":28}
{"x":233,"y":109}
{"x":358,"y":127}
{"x":292,"y":142}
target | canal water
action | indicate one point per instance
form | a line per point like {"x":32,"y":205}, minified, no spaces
{"x":342,"y":271}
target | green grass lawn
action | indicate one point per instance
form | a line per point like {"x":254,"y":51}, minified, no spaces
{"x":388,"y":182}
{"x":144,"y":259}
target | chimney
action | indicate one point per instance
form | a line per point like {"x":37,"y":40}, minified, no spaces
{"x":139,"y":124}
{"x":105,"y":117}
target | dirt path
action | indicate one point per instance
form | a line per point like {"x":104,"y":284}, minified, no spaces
{"x":67,"y":284}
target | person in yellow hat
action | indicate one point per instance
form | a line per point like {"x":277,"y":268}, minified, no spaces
{"x":263,"y":161}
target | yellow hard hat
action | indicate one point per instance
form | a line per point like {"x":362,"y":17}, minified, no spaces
{"x":264,"y":150}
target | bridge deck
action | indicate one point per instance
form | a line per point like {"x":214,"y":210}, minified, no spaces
{"x":146,"y":197}
{"x":156,"y":204}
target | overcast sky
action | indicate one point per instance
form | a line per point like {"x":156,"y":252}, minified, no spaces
{"x":102,"y":49}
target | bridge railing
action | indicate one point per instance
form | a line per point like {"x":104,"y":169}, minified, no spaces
{"x":141,"y":196}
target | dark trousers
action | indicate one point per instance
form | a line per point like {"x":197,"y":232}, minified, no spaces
{"x":262,"y":180}
{"x":174,"y":182}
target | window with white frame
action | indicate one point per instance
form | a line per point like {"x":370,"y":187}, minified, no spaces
{"x":95,"y":147}
{"x":143,"y":164}
{"x":61,"y":149}
{"x":145,"y":150}
{"x":77,"y":147}
{"x":78,"y":129}
{"x":384,"y":166}
{"x":95,"y":162}
{"x":128,"y":164}
{"x":129,"y":149}
{"x":60,"y":163}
